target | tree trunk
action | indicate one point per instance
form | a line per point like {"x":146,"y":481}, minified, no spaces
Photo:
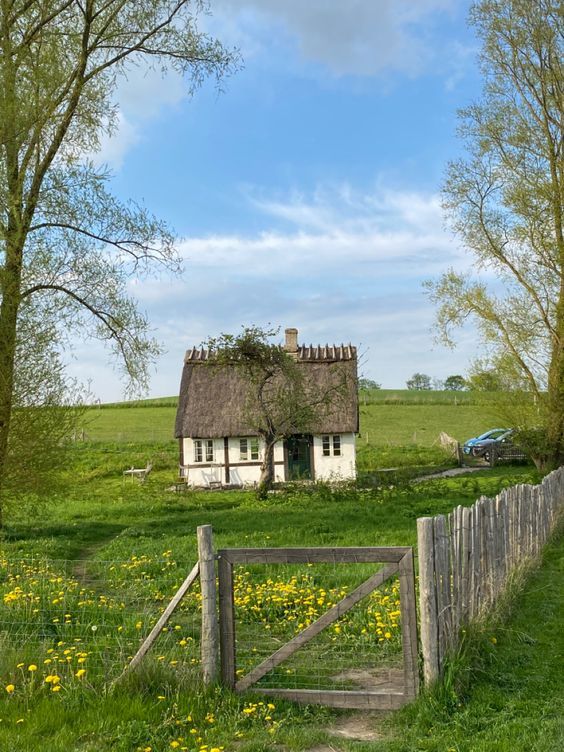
{"x":555,"y":417}
{"x":267,"y":468}
{"x":10,"y":281}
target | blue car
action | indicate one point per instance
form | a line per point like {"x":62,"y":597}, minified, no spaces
{"x":480,"y":446}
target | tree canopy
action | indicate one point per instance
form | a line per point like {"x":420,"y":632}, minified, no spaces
{"x":505,"y":200}
{"x":455,"y":383}
{"x":368,"y":384}
{"x":419,"y":381}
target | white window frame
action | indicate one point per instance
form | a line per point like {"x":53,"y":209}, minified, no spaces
{"x":198,"y":450}
{"x":255,"y":448}
{"x":331,"y":445}
{"x":336,"y":445}
{"x":249,"y":449}
{"x":208,"y":445}
{"x":203,"y":447}
{"x":243,"y":450}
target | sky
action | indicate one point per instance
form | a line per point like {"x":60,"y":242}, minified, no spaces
{"x":307,"y":192}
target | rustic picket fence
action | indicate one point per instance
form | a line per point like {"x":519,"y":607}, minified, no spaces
{"x":468,"y":557}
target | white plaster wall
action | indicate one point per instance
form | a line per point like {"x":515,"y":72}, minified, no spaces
{"x":243,"y":474}
{"x":334,"y":468}
{"x":202,"y":476}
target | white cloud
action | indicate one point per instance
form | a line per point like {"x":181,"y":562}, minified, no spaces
{"x":142,"y":94}
{"x":344,"y":266}
{"x":361,"y":37}
{"x":114,"y":147}
{"x":384,"y":232}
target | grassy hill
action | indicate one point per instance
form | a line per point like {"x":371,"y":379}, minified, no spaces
{"x":388,"y":417}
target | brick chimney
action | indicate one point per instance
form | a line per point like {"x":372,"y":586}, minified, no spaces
{"x":291,"y":343}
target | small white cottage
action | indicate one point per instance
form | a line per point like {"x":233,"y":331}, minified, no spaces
{"x":219,"y":448}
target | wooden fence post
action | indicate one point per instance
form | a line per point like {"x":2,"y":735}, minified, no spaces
{"x":428,"y":600}
{"x":161,"y":623}
{"x":209,"y":640}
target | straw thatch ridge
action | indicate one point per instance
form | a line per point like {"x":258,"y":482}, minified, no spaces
{"x":213,"y":401}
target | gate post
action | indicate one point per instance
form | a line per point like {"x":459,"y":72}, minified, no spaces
{"x":428,"y":600}
{"x":209,"y":635}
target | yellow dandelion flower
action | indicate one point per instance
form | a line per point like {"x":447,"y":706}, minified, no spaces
{"x":32,"y":667}
{"x":174,"y":744}
{"x":80,"y":673}
{"x":10,"y":688}
{"x":56,"y":688}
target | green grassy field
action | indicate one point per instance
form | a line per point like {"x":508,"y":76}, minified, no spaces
{"x":85,"y":573}
{"x":387,"y":418}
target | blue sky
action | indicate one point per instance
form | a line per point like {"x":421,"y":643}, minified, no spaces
{"x":307,"y":193}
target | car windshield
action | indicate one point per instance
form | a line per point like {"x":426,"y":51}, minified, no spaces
{"x":494,"y":433}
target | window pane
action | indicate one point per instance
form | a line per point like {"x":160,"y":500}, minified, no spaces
{"x":337,"y":445}
{"x":209,"y":450}
{"x":243,"y":450}
{"x":254,"y":448}
{"x":198,"y":450}
{"x":326,"y":446}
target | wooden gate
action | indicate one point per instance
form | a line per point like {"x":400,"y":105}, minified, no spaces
{"x":398,"y":561}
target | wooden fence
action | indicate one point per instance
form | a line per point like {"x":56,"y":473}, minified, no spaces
{"x":467,"y":558}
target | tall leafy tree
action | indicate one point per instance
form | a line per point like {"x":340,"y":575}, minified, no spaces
{"x":63,"y":236}
{"x":506,"y":202}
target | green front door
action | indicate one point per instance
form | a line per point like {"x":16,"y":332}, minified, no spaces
{"x":298,"y":450}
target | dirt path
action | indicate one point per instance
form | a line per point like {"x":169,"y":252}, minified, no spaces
{"x":450,"y":473}
{"x":81,"y":569}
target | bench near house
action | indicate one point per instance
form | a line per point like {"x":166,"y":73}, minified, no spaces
{"x":219,"y":448}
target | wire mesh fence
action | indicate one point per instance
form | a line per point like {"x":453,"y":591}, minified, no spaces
{"x":64,"y":622}
{"x":361,"y":650}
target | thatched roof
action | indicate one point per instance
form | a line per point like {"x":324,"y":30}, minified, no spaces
{"x":213,"y":400}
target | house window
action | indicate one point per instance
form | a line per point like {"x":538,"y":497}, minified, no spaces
{"x":327,"y":441}
{"x":209,"y":450}
{"x":249,"y":449}
{"x":337,"y":446}
{"x":198,"y":450}
{"x":254,"y":448}
{"x":203,"y":447}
